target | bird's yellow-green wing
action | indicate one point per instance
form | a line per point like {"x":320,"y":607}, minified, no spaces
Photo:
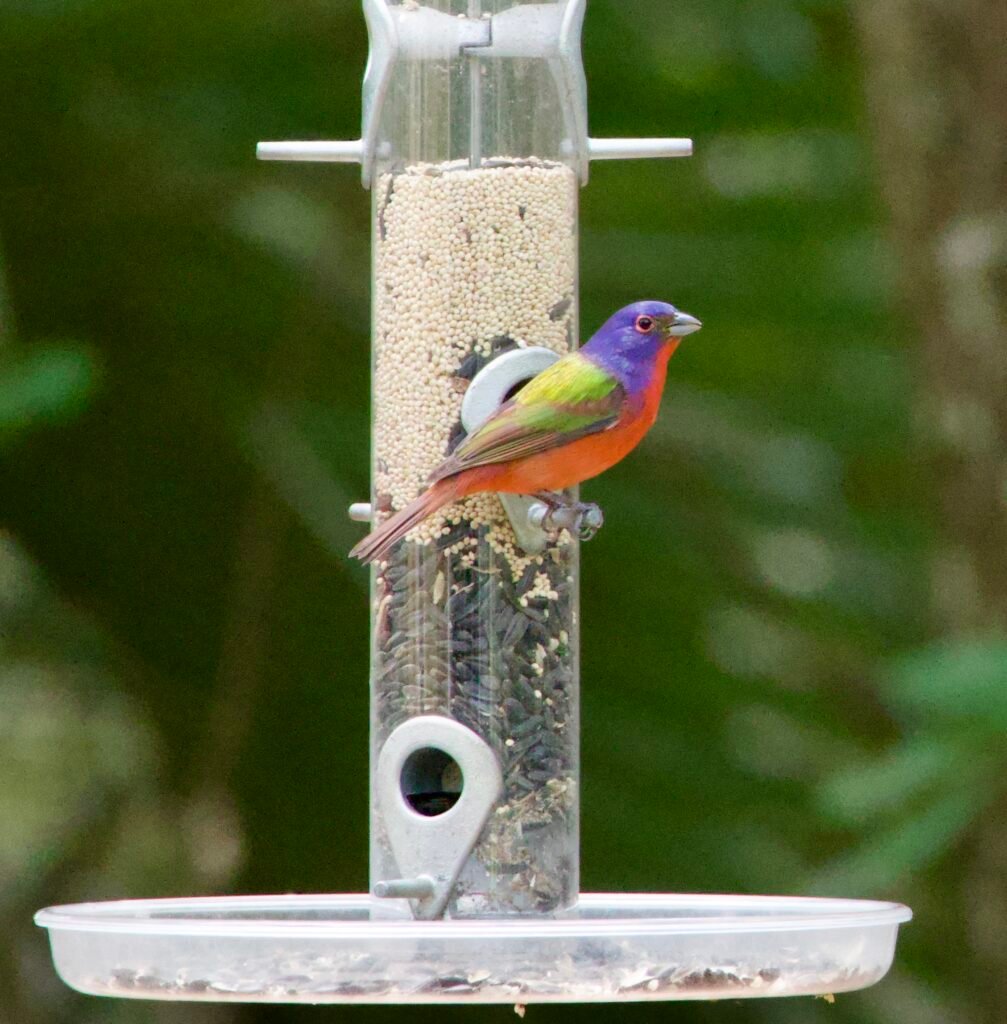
{"x":569,"y":400}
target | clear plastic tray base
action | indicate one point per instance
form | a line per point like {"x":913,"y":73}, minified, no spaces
{"x":328,"y":949}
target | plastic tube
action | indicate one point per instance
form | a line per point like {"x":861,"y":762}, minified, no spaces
{"x":475,"y":254}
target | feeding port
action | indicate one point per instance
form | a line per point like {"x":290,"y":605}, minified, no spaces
{"x":474,"y":147}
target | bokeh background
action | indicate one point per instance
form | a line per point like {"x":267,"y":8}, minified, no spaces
{"x":795,"y":652}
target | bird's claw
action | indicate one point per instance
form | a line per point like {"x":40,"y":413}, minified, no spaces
{"x":590,"y":520}
{"x":583,"y":519}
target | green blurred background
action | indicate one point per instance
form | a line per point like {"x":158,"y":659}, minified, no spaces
{"x":795,"y":644}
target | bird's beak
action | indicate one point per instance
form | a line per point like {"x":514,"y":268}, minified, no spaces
{"x":683,"y":324}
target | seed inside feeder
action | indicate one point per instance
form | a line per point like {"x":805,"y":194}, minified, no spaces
{"x":471,"y":264}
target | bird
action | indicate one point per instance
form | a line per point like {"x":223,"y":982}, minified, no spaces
{"x":578,"y":417}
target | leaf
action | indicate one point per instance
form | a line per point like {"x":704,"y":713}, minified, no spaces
{"x":283,"y":452}
{"x":912,"y":844}
{"x":864,"y":791}
{"x":44,"y":385}
{"x":965,"y":681}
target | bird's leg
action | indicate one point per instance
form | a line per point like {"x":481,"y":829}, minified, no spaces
{"x":551,"y":499}
{"x":583,"y":518}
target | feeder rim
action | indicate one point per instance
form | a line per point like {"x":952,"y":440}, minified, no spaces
{"x":764,"y":914}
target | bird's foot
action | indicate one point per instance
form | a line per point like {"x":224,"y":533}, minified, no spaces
{"x":554,"y":513}
{"x":590,"y":519}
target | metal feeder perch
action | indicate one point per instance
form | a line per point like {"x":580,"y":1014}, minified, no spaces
{"x":474,"y":146}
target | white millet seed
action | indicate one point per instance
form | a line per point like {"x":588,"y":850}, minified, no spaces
{"x":463,"y":258}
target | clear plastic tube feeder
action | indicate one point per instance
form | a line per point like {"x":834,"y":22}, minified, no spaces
{"x":474,"y":148}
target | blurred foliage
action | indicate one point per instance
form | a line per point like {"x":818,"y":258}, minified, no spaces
{"x":49,"y":383}
{"x":767,"y":706}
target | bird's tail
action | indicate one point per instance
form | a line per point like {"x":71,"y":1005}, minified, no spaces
{"x":379,"y":542}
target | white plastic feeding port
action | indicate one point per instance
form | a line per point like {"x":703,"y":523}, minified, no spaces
{"x":495,"y":383}
{"x":432,"y":843}
{"x":474,"y":144}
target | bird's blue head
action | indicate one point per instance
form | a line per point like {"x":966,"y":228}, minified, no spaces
{"x":628,"y":345}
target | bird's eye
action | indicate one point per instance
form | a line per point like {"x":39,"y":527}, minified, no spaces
{"x":644,"y":324}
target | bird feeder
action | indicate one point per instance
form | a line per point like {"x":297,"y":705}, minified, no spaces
{"x":474,"y":147}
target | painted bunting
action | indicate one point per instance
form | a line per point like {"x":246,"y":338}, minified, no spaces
{"x":569,"y":423}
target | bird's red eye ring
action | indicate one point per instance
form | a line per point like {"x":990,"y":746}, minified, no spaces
{"x":644,"y":324}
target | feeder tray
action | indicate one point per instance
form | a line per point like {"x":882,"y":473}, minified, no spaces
{"x":474,"y":145}
{"x":327,"y":949}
